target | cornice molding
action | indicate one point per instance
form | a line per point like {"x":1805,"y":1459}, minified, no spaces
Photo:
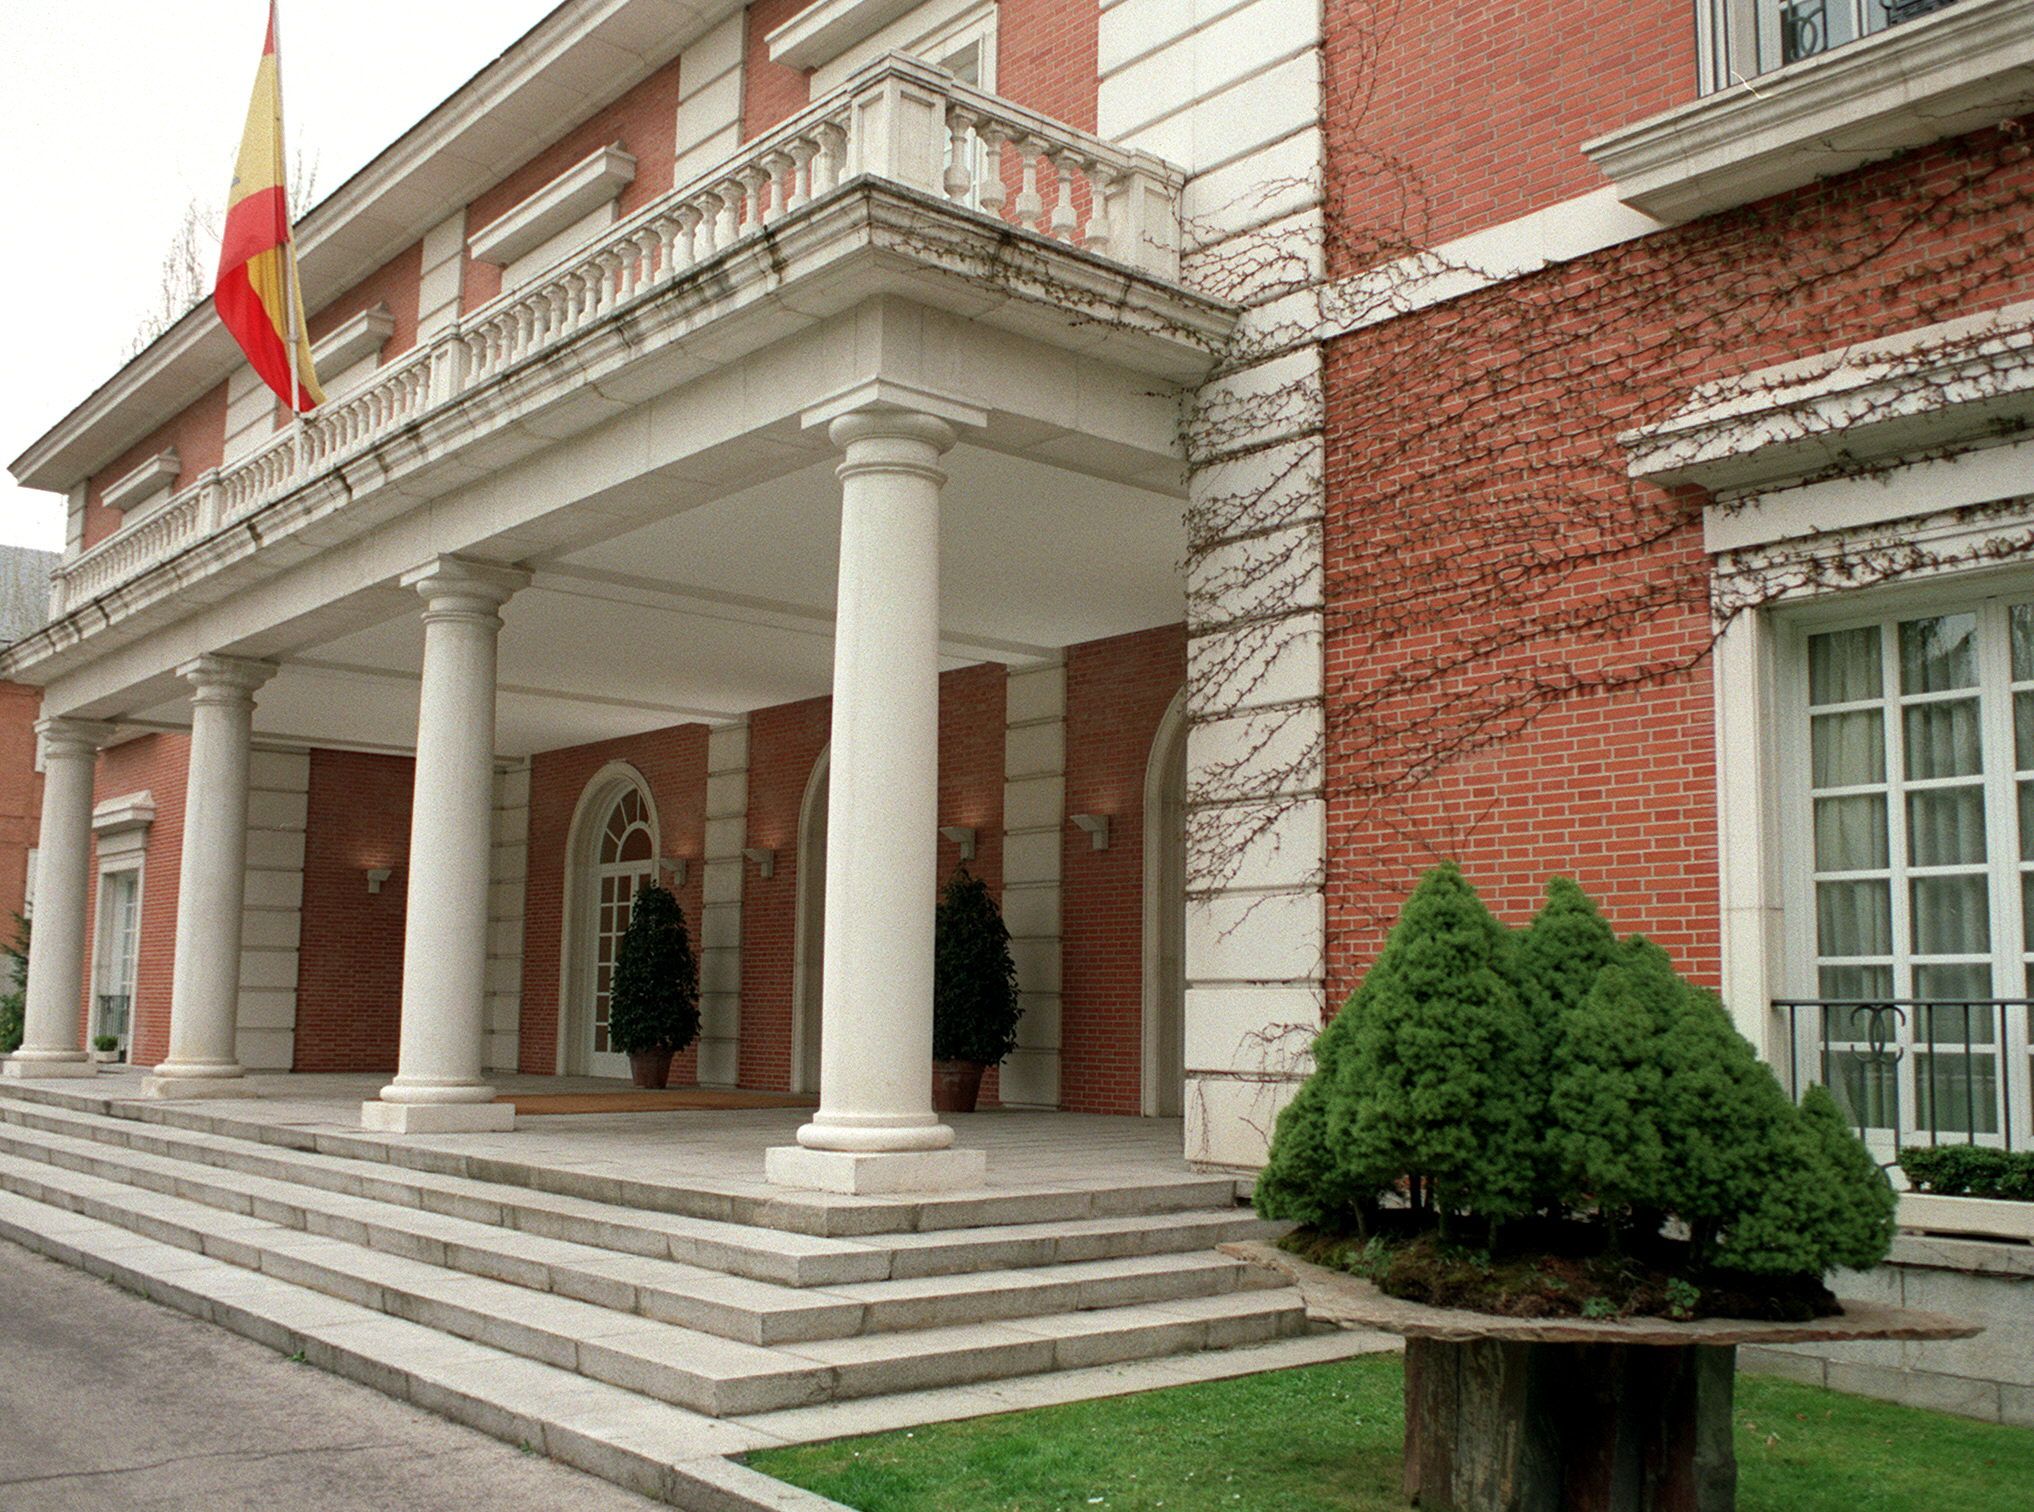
{"x":1968,"y":66}
{"x":595,"y":180}
{"x":149,"y":483}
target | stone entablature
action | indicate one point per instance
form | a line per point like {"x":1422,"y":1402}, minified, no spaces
{"x":786,"y":196}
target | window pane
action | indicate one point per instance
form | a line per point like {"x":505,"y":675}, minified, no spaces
{"x":1843,"y":666}
{"x":1851,"y":748}
{"x":2023,"y":731}
{"x":1951,"y":916}
{"x":1942,"y":739}
{"x":2027,"y":824}
{"x":1853,"y":919}
{"x":1938,"y":654}
{"x":1866,"y":1089}
{"x":1945,"y":826}
{"x":2022,"y":620}
{"x":1952,"y":982}
{"x":1855,"y":984}
{"x":1850,"y":833}
{"x":635,"y":846}
{"x":1958,"y":1094}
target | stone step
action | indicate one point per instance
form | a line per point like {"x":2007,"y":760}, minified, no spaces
{"x":648,"y":1446}
{"x":786,"y":1257}
{"x":701,"y":1372}
{"x":731,"y":1307}
{"x":752,"y":1206}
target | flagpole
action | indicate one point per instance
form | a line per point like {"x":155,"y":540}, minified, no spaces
{"x":289,"y":251}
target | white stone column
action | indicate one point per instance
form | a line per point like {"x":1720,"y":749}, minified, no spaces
{"x":212,"y":884}
{"x":439,"y":1086}
{"x":56,"y":966}
{"x":875,"y":1129}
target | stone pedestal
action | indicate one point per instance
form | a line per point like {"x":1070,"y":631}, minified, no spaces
{"x":438,"y":1118}
{"x":876,"y":1174}
{"x":1570,"y":1414}
{"x":1493,"y":1424}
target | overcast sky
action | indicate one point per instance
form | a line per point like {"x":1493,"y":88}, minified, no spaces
{"x":118,"y":113}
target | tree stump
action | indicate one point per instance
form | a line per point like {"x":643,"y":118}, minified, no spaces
{"x":1503,"y":1426}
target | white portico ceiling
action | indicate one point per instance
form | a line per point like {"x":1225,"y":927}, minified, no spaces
{"x":713,"y":612}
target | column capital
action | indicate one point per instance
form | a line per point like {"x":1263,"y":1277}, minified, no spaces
{"x":63,"y":735}
{"x":451,"y":584}
{"x":912,"y":427}
{"x":225,"y":679}
{"x":877,"y":397}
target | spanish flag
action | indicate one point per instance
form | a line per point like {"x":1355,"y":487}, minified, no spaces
{"x":252,"y":297}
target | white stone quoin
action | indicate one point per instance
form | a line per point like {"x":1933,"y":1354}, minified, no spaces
{"x":56,"y":967}
{"x":212,"y":885}
{"x":875,"y":1130}
{"x":439,"y":1086}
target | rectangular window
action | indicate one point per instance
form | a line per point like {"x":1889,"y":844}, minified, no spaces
{"x":1749,"y":37}
{"x":115,"y":957}
{"x":1916,"y":816}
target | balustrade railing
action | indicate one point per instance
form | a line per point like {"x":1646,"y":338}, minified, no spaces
{"x":899,"y":120}
{"x":1917,"y":1071}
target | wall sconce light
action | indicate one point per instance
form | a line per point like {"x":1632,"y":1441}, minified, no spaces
{"x":962,"y":835}
{"x":675,"y":865}
{"x":766,"y":860}
{"x":376,"y":875}
{"x":1097,"y":826}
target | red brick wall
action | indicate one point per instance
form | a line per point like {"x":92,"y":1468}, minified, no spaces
{"x":771,"y":92}
{"x":350,"y":965}
{"x":1045,"y":58}
{"x":1117,"y":692}
{"x":644,"y":121}
{"x":784,"y":742}
{"x":1445,"y":118}
{"x":1439,"y":473}
{"x":198,"y":434}
{"x":20,"y":796}
{"x":673,"y":763}
{"x":396,"y":284}
{"x":156,"y":764}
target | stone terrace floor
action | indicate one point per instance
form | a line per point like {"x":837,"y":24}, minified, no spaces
{"x":698,"y":1150}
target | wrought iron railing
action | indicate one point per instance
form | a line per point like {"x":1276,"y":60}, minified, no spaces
{"x":1805,"y":25}
{"x":1918,"y":1071}
{"x":898,"y":119}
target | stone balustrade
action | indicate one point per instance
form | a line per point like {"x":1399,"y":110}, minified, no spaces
{"x":899,"y":120}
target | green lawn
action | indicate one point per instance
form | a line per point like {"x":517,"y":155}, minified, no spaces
{"x":1328,"y":1437}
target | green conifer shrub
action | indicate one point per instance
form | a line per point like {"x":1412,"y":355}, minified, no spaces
{"x":1608,"y":1074}
{"x":1436,"y":1081}
{"x":14,"y":1001}
{"x":975,"y":1006}
{"x":1646,"y":1104}
{"x":1304,"y":1179}
{"x":654,"y":1001}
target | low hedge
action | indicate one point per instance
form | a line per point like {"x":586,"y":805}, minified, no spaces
{"x":1971,"y":1171}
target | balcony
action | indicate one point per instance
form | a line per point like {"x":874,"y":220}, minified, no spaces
{"x":1919,"y":1072}
{"x":928,"y":177}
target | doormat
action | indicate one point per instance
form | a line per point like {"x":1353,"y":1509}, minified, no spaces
{"x":645,"y":1100}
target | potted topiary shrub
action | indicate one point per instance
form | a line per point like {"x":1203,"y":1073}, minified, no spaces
{"x":1552,"y":1122}
{"x":653,"y":1008}
{"x":105,"y":1048}
{"x":974,"y":992}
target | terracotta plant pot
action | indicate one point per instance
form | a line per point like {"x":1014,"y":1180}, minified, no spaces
{"x":956,"y":1085}
{"x":651,"y":1068}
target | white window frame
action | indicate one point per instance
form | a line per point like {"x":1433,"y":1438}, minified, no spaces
{"x":122,"y":867}
{"x":940,"y":36}
{"x":1739,"y":40}
{"x":1786,"y":738}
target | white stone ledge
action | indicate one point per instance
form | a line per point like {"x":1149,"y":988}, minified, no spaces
{"x":1968,"y":66}
{"x":593,"y":181}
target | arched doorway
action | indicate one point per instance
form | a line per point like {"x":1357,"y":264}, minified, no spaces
{"x":611,"y":856}
{"x":809,"y":940}
{"x":1164,"y":1076}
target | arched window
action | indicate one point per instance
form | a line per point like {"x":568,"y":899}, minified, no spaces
{"x":613,"y":857}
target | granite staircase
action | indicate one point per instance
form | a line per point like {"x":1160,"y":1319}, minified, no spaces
{"x":643,"y":1334}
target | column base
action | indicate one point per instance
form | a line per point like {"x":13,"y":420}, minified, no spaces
{"x":859,"y":1174}
{"x":189,"y":1087}
{"x":437,"y":1118}
{"x":26,"y":1070}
